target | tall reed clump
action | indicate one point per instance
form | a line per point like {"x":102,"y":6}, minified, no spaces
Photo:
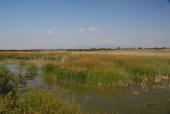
{"x":115,"y":77}
{"x":94,"y":77}
{"x":61,"y":74}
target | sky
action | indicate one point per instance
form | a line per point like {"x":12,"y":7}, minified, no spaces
{"x":54,"y":24}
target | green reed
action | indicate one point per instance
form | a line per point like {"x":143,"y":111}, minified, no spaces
{"x":108,"y":70}
{"x":93,"y":78}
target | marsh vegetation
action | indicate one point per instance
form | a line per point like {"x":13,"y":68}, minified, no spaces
{"x":75,"y":83}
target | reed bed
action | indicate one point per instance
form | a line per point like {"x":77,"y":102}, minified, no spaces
{"x":96,"y":69}
{"x":108,"y":70}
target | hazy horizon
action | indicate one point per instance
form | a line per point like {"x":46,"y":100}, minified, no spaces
{"x":56,"y":24}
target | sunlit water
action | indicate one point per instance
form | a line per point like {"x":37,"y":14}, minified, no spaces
{"x":120,"y":100}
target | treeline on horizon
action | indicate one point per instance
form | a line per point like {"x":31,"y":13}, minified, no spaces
{"x":90,"y":49}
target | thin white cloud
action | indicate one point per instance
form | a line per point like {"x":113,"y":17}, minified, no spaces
{"x":82,"y":29}
{"x":50,"y":32}
{"x":89,"y":29}
{"x":93,"y":29}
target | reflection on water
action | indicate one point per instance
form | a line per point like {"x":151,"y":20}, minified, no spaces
{"x":142,"y":96}
{"x":121,"y":100}
{"x":37,"y":82}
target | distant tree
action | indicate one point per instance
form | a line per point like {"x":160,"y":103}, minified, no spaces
{"x":140,"y":48}
{"x":118,"y":48}
{"x":156,"y":48}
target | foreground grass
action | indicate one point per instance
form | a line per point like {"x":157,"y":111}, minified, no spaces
{"x":41,"y":102}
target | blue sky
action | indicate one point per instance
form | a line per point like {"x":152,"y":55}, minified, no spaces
{"x":28,"y":24}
